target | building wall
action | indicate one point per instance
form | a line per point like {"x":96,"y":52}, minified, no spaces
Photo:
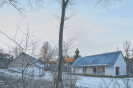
{"x":83,"y":70}
{"x":89,"y":70}
{"x":78,"y":70}
{"x":121,"y":64}
{"x":22,"y":62}
{"x":109,"y":70}
{"x":34,"y":71}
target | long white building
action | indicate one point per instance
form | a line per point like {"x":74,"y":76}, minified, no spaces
{"x":110,"y":64}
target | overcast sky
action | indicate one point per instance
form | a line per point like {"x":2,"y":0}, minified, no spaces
{"x":97,"y":29}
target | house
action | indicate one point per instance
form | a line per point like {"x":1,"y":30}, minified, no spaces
{"x":69,"y":61}
{"x":27,"y":64}
{"x":110,"y":64}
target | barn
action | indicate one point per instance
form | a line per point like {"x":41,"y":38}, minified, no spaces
{"x":27,"y":64}
{"x":110,"y":64}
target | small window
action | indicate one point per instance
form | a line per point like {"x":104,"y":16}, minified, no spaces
{"x":94,"y":71}
{"x":103,"y":69}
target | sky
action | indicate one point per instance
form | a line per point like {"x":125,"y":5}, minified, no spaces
{"x":98,"y":28}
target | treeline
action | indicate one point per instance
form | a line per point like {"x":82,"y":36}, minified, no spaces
{"x":5,"y":59}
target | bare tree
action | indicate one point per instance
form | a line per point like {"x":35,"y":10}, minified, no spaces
{"x":16,"y":51}
{"x":34,"y":45}
{"x":20,"y":5}
{"x":67,"y":45}
{"x":127,"y":48}
{"x":64,"y":4}
{"x":25,"y":45}
{"x":128,"y":55}
{"x":47,"y":52}
{"x":5,"y":59}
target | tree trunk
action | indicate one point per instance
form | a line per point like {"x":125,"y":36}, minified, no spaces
{"x":59,"y":79}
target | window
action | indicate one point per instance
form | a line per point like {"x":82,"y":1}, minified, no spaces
{"x":101,"y":70}
{"x":94,"y":70}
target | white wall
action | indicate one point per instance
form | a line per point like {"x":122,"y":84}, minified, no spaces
{"x":89,"y":70}
{"x":78,"y":70}
{"x":30,"y":70}
{"x":121,"y":64}
{"x":109,"y":70}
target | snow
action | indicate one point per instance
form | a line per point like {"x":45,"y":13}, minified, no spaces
{"x":101,"y":82}
{"x":9,"y":73}
{"x":85,"y":81}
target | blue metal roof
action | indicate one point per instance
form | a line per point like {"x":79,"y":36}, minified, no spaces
{"x":95,"y":60}
{"x":34,"y":60}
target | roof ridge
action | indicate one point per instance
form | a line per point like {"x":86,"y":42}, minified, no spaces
{"x":102,"y":54}
{"x":32,"y":59}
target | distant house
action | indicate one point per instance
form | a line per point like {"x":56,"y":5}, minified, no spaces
{"x":111,"y":64}
{"x":28,"y":64}
{"x":69,"y":61}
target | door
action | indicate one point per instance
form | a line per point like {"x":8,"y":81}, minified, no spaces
{"x":117,"y":70}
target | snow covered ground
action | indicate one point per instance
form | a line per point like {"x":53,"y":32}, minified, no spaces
{"x":85,"y":81}
{"x":101,"y":82}
{"x":9,"y":73}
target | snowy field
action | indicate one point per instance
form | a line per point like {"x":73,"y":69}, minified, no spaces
{"x":101,"y":82}
{"x":87,"y":82}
